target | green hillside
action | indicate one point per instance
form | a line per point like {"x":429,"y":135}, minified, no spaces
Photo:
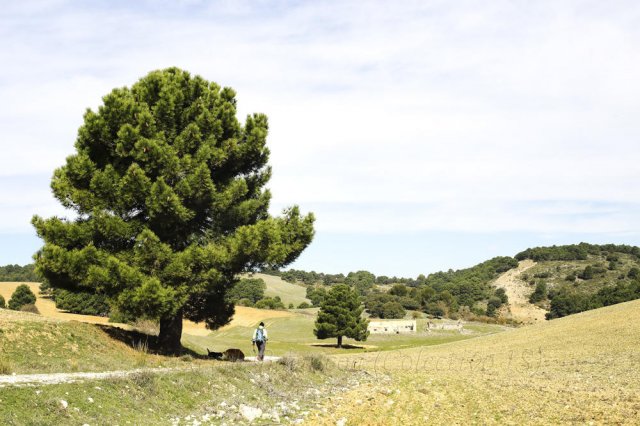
{"x":576,"y":278}
{"x":288,"y":292}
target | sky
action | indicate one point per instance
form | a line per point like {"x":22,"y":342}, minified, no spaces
{"x":424,"y":135}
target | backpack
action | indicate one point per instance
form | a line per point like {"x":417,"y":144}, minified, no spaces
{"x":259,"y":335}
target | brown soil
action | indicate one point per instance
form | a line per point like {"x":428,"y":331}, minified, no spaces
{"x":518,"y":292}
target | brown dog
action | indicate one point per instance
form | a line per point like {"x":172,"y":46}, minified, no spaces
{"x":233,"y":355}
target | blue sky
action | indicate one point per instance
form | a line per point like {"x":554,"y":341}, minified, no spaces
{"x":424,"y":135}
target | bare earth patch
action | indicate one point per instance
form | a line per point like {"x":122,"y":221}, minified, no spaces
{"x":518,"y":292}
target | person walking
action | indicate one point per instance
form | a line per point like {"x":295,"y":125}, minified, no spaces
{"x":260,"y":340}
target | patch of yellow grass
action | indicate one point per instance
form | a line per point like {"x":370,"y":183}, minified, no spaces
{"x":575,"y":370}
{"x":244,"y":316}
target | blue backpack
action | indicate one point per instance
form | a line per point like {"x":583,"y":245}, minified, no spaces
{"x":259,"y":335}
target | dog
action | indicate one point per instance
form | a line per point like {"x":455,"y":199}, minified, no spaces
{"x":233,"y":355}
{"x":214,"y":355}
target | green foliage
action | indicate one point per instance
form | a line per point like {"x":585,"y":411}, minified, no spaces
{"x":270,"y":303}
{"x":248,"y":288}
{"x":304,"y":305}
{"x":341,"y":315}
{"x":590,"y":272}
{"x":82,"y":302}
{"x":362,"y":281}
{"x":566,"y":302}
{"x":471,"y":285}
{"x":310,"y":278}
{"x":502,"y":295}
{"x":392,"y":310}
{"x":2,"y":302}
{"x":168,"y":190}
{"x":575,"y":252}
{"x":17,"y":273}
{"x":540,"y":293}
{"x":21,"y":296}
{"x":316,"y":295}
{"x":375,"y":302}
{"x":492,"y":305}
{"x":633,"y":273}
{"x":399,"y":290}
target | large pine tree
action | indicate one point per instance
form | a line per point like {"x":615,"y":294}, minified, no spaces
{"x":341,"y":315}
{"x":170,"y":206}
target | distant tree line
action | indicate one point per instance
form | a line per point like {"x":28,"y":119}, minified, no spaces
{"x":575,"y":252}
{"x":17,"y":273}
{"x":439,"y":294}
{"x":565,"y":302}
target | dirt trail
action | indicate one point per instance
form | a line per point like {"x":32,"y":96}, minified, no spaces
{"x":518,"y":292}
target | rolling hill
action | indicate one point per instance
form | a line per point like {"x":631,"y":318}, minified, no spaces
{"x":582,"y":369}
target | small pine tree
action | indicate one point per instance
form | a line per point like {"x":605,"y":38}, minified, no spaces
{"x":22,"y":296}
{"x":340,"y":315}
{"x":2,"y":302}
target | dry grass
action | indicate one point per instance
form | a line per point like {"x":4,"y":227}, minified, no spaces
{"x":576,"y":370}
{"x":247,"y":317}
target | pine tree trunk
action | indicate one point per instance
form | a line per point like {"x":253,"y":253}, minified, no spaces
{"x":170,"y":334}
{"x":339,"y":341}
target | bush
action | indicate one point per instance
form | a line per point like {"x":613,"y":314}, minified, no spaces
{"x":633,"y":273}
{"x":304,"y":305}
{"x":393,"y":310}
{"x":502,"y":295}
{"x":492,"y":306}
{"x":248,"y":288}
{"x":2,"y":302}
{"x":270,"y":303}
{"x":245,"y":302}
{"x":22,"y":296}
{"x":29,"y":308}
{"x":540,"y":293}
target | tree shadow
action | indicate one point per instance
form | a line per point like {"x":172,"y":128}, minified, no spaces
{"x":335,"y":346}
{"x":141,"y":341}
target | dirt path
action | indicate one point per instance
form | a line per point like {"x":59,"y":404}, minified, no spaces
{"x":518,"y":292}
{"x":56,"y":378}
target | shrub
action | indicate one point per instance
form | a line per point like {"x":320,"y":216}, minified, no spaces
{"x":502,"y":295}
{"x":30,"y":307}
{"x":245,"y":302}
{"x":492,"y":306}
{"x":2,"y":302}
{"x":248,"y":288}
{"x":588,"y":273}
{"x":540,"y":293}
{"x":304,"y":305}
{"x":633,"y":273}
{"x":269,"y":303}
{"x":316,"y":362}
{"x":22,"y":296}
{"x":392,"y":310}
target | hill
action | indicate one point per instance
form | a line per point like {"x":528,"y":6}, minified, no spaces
{"x":579,"y":277}
{"x":288,"y":292}
{"x":582,"y":369}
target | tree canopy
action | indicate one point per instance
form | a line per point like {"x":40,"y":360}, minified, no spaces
{"x":21,"y":296}
{"x":341,"y":315}
{"x":168,"y":190}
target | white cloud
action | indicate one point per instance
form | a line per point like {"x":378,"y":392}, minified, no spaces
{"x":440,"y":115}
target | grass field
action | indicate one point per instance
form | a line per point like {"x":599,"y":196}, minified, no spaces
{"x":582,"y":369}
{"x":289,"y":293}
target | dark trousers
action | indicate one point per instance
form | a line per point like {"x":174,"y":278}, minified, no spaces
{"x":261,"y":346}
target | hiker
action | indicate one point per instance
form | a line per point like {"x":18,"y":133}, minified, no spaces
{"x":260,"y":340}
